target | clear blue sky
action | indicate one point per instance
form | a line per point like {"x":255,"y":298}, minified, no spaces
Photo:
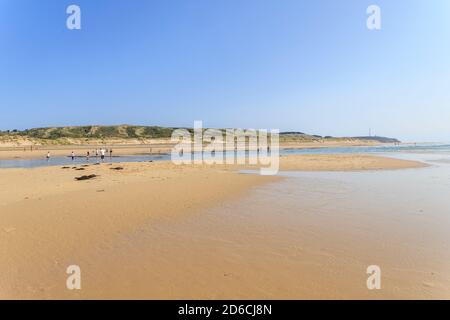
{"x":310,"y":66}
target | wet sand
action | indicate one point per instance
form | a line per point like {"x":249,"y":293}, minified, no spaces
{"x":344,"y":162}
{"x":156,"y":230}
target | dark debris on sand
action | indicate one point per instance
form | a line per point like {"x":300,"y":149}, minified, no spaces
{"x":91,"y":176}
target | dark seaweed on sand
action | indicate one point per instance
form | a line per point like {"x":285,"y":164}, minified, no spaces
{"x":91,"y":176}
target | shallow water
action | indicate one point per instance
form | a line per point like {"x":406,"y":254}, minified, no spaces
{"x":64,"y":161}
{"x":391,"y":150}
{"x":405,"y":148}
{"x":338,"y":223}
{"x":309,"y":236}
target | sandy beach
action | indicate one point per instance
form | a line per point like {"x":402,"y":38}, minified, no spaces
{"x":49,"y":221}
{"x":217,"y":156}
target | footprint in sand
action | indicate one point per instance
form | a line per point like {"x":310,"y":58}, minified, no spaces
{"x":9,"y":230}
{"x":428,"y":284}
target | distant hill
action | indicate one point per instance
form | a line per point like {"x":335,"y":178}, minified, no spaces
{"x":379,"y":139}
{"x":75,"y":134}
{"x":296,"y":135}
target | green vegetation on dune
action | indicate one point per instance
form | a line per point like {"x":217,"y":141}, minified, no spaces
{"x":94,"y":132}
{"x":62,"y":135}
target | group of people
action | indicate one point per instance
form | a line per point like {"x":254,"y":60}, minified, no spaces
{"x":102,"y":153}
{"x":98,"y":152}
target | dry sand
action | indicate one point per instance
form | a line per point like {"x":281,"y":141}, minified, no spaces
{"x":49,"y":221}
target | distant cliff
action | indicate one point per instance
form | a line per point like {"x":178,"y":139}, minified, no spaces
{"x":379,"y":139}
{"x":296,"y":135}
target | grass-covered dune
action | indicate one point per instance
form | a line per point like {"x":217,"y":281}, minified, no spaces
{"x":96,"y":132}
{"x":128,"y":133}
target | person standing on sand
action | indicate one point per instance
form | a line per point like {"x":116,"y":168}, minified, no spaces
{"x":73,"y":156}
{"x":102,"y":154}
{"x":110,"y":153}
{"x":87,"y":156}
{"x":48,"y":155}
